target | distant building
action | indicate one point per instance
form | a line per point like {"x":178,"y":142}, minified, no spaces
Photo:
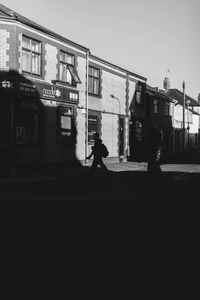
{"x":189,"y":122}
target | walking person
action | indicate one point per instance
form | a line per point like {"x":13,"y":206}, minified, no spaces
{"x":97,"y":153}
{"x":154,"y":150}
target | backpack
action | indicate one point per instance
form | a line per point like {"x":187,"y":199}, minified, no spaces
{"x":104,"y":150}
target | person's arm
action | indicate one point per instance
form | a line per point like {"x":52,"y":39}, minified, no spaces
{"x":92,"y":153}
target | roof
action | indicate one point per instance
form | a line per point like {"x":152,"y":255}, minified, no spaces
{"x":6,"y":13}
{"x":178,"y":95}
{"x":118,"y":67}
{"x":158,"y":93}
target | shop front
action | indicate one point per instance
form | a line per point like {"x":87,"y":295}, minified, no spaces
{"x":38,"y":122}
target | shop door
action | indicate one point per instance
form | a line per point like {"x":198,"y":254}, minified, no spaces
{"x":5,"y":132}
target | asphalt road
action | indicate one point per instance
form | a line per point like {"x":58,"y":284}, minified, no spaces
{"x":102,"y":238}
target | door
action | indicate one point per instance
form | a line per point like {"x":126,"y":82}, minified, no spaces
{"x":121,"y":137}
{"x":5,"y":134}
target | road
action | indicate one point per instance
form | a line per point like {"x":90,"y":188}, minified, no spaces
{"x":102,"y":235}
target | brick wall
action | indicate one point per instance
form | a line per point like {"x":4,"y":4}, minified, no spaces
{"x":4,"y":48}
{"x":51,"y":63}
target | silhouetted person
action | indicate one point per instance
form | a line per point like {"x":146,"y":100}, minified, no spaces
{"x":154,"y":148}
{"x":97,"y":153}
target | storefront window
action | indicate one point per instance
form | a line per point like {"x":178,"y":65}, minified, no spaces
{"x":66,"y":126}
{"x":92,"y":127}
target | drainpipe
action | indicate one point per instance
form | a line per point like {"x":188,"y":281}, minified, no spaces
{"x":86,"y":107}
{"x":183,"y":116}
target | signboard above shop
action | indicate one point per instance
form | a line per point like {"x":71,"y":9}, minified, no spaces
{"x":23,"y":86}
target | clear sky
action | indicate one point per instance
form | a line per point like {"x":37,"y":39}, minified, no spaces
{"x":154,"y":38}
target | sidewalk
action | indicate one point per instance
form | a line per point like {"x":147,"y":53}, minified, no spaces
{"x":66,"y":172}
{"x":56,"y":172}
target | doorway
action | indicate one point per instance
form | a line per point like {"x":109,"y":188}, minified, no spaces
{"x":121,"y":136}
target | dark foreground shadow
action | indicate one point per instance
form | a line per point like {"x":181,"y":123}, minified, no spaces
{"x":103,"y":243}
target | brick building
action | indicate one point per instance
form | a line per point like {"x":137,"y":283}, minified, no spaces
{"x":55,"y":94}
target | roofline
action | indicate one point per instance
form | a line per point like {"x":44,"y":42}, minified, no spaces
{"x":195,"y":102}
{"x":117,"y":67}
{"x":160,"y":94}
{"x":14,"y":16}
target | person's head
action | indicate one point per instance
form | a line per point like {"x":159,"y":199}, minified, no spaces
{"x":96,"y":136}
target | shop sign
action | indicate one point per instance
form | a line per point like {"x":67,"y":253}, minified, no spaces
{"x":53,"y":92}
{"x":27,"y":87}
{"x":8,"y":85}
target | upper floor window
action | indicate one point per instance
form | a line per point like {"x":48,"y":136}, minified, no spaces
{"x":31,"y":56}
{"x":68,"y":72}
{"x":94,"y":81}
{"x":155,"y":106}
{"x":168,"y":109}
{"x":139,"y":94}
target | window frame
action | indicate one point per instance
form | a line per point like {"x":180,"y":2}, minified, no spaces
{"x":138,"y":94}
{"x":69,"y":69}
{"x":155,"y":106}
{"x":32,"y":52}
{"x":139,"y":128}
{"x":92,"y":79}
{"x":63,"y":138}
{"x":90,"y":135}
{"x":166,"y":108}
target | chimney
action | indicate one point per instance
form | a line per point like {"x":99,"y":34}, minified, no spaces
{"x":166,"y":84}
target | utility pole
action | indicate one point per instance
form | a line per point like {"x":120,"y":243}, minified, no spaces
{"x":183,"y":116}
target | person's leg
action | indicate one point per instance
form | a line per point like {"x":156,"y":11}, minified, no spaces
{"x":92,"y":168}
{"x":103,"y":166}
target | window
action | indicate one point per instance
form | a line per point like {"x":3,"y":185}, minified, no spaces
{"x":138,"y":131}
{"x":93,"y":125}
{"x":167,"y":109}
{"x":139,"y":94}
{"x":94,"y":81}
{"x":66,"y":126}
{"x":155,"y":106}
{"x":31,"y":56}
{"x":68,"y":74}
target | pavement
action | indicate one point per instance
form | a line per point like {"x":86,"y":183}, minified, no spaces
{"x":56,"y":172}
{"x":182,"y":169}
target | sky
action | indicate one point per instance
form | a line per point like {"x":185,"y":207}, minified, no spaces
{"x":153,"y":38}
